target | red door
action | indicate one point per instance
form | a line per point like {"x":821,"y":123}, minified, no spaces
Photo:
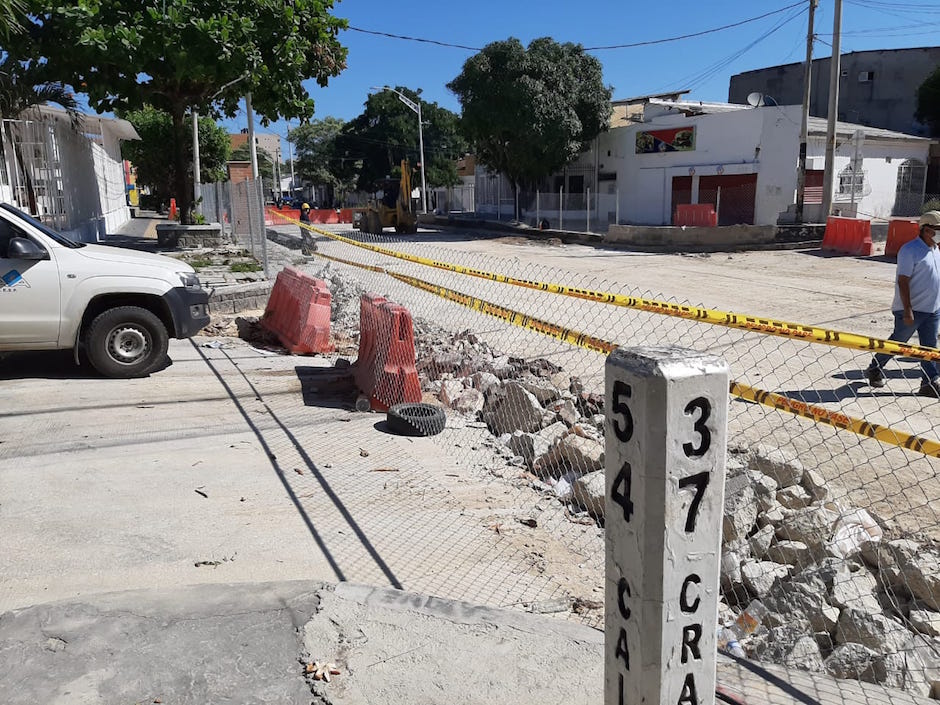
{"x":738,"y":193}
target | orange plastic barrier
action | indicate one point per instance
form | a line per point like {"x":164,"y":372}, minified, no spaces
{"x":900,"y":232}
{"x":385,"y":370}
{"x":345,"y":215}
{"x":298,"y":312}
{"x":696,"y":214}
{"x":851,"y":236}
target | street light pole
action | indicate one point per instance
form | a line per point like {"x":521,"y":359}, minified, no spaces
{"x":416,"y":107}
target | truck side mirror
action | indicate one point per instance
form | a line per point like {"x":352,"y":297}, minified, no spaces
{"x":21,"y":248}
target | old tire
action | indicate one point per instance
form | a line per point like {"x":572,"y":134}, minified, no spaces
{"x":125,"y":342}
{"x":416,"y":419}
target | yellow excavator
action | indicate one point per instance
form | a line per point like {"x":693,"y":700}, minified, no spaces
{"x":393,"y":209}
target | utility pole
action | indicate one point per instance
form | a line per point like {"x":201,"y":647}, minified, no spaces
{"x":197,"y":187}
{"x":807,"y":80}
{"x":835,"y":68}
{"x":290,"y":152}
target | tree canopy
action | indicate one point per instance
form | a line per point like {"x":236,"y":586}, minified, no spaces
{"x":529,"y":112}
{"x":177,"y":54}
{"x":148,"y":154}
{"x":928,"y":103}
{"x":317,"y":159}
{"x":373,"y":144}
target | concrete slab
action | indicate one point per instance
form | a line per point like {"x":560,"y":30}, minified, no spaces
{"x":250,"y":644}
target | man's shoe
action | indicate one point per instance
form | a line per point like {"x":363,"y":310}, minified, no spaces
{"x":930,"y":389}
{"x":876,"y":378}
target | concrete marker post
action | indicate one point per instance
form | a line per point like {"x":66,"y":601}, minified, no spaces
{"x":666,"y":435}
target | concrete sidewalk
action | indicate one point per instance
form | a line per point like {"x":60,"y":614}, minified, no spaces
{"x":255,"y":643}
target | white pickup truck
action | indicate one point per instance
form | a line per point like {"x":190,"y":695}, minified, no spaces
{"x":116,"y":308}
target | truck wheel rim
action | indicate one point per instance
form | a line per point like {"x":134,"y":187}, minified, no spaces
{"x":127,"y":345}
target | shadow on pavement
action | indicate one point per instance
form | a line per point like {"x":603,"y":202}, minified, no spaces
{"x":51,"y":364}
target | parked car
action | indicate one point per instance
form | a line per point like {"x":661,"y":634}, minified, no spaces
{"x":115,"y":308}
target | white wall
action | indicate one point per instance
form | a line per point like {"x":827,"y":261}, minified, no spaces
{"x":109,"y":172}
{"x":880,"y":174}
{"x":762,"y":141}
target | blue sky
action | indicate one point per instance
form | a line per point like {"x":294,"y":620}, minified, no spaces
{"x":703,"y":64}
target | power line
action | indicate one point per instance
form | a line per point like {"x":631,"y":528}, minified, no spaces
{"x":412,"y":39}
{"x":696,"y":34}
{"x":597,"y":48}
{"x":696,"y":79}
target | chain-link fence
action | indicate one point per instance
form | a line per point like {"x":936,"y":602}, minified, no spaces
{"x":239,"y":208}
{"x":832,"y":512}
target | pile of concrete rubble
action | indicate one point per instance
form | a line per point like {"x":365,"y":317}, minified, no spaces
{"x":841,"y":597}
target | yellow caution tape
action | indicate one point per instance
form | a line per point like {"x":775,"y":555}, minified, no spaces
{"x":818,"y":414}
{"x":727,"y":319}
{"x":834,"y":418}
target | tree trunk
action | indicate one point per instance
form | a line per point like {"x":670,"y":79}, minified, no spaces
{"x":182,"y":189}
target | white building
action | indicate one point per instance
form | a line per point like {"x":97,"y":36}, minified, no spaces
{"x":67,"y":173}
{"x":743,"y":160}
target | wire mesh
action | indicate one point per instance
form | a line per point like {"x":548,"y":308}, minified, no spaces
{"x":834,"y":532}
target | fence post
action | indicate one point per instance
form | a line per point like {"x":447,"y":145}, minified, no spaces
{"x":251,"y":227}
{"x":617,"y":207}
{"x":264,"y":228}
{"x":666,"y":431}
{"x":538,"y":216}
{"x":718,"y":203}
{"x":561,"y":208}
{"x":587,"y":210}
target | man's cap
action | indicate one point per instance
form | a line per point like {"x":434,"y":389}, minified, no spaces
{"x":931,"y":218}
{"x":307,"y":206}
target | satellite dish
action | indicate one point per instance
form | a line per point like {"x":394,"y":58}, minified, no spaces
{"x":755,"y":99}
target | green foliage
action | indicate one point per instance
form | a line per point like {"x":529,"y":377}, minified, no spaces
{"x":317,"y":159}
{"x":242,"y":153}
{"x":528,"y":112}
{"x":148,"y":154}
{"x":200,"y":263}
{"x":177,"y":54}
{"x":11,"y":16}
{"x":931,"y":205}
{"x":373,"y":144}
{"x":245,"y":267}
{"x":22,"y":86}
{"x":928,"y":103}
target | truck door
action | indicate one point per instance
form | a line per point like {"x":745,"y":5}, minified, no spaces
{"x":29,"y":293}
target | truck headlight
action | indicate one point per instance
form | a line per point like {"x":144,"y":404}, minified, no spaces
{"x":190,"y":280}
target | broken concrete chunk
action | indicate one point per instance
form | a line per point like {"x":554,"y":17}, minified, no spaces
{"x":740,"y":508}
{"x":782,"y":466}
{"x":589,"y":493}
{"x":794,"y":497}
{"x":759,"y":576}
{"x":795,"y":553}
{"x":518,"y":410}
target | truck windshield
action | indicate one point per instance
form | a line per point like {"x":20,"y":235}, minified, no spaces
{"x":61,"y":239}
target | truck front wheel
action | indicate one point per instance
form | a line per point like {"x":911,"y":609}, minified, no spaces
{"x":126,"y":341}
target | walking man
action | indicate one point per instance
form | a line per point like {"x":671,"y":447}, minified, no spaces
{"x":916,"y":303}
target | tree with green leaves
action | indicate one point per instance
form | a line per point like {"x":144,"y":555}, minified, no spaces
{"x":928,"y":103}
{"x":317,"y":160}
{"x":179,"y":55}
{"x":11,"y":16}
{"x":387,"y":132}
{"x":529,"y":112}
{"x":148,"y":154}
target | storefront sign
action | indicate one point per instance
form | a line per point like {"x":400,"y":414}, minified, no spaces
{"x":678,"y":139}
